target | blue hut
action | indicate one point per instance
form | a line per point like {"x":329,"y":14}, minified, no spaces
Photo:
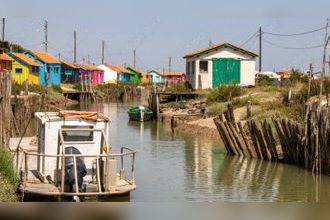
{"x":157,"y":77}
{"x":50,"y":67}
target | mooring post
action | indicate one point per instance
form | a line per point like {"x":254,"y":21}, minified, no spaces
{"x":248,"y":111}
{"x":172,"y":124}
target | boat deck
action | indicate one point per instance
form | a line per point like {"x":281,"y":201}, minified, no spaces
{"x":46,"y":189}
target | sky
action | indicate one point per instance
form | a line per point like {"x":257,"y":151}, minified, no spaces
{"x":159,"y":29}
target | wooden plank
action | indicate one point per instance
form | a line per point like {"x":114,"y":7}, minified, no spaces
{"x":246,"y":141}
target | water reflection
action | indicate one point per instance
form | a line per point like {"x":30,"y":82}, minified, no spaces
{"x":255,"y":180}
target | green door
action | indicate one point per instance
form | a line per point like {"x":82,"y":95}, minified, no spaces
{"x":226,"y":71}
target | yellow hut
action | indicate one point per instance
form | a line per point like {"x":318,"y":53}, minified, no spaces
{"x":24,"y":69}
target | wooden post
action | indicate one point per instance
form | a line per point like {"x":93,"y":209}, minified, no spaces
{"x":248,"y":111}
{"x":6,"y":108}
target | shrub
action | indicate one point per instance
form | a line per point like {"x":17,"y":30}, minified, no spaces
{"x":224,"y":93}
{"x":180,"y":87}
{"x":263,"y":80}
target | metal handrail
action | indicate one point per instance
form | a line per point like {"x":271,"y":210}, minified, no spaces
{"x":74,"y":156}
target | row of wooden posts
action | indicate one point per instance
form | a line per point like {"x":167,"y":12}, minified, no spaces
{"x":280,"y":139}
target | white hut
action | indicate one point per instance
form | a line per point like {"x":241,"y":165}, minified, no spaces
{"x":110,"y":74}
{"x":220,"y":64}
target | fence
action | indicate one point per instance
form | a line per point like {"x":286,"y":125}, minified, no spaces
{"x":281,"y":139}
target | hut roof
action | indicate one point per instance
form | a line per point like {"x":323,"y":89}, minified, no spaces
{"x":22,"y":57}
{"x":118,"y":69}
{"x":69,"y":64}
{"x":5,"y":57}
{"x":46,"y":57}
{"x":217,"y":46}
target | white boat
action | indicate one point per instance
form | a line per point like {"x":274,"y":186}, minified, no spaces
{"x":73,"y":158}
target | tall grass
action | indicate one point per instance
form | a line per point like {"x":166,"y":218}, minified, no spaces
{"x":8,"y":177}
{"x":7,"y":169}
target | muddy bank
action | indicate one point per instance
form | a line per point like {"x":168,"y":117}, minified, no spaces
{"x":189,"y":117}
{"x":120,"y":92}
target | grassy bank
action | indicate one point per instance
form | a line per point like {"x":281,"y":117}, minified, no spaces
{"x":8,"y":177}
{"x":267,"y":99}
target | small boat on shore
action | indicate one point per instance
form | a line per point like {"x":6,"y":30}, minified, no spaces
{"x":140,"y":113}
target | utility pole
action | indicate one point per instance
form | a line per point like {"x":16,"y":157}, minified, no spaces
{"x":3,"y":28}
{"x":59,"y":56}
{"x":260,"y":49}
{"x":210,"y":43}
{"x":46,"y":36}
{"x":326,"y":41}
{"x":75,"y":47}
{"x":134,"y":58}
{"x":310,"y":80}
{"x":169,"y":64}
{"x":88,"y":59}
{"x":103,"y":45}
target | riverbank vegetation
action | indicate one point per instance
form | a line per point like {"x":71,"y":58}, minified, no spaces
{"x":8,"y":177}
{"x":284,"y":99}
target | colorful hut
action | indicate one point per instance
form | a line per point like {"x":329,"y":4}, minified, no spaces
{"x":24,"y":69}
{"x":174,"y":77}
{"x":136,"y":75}
{"x":69,"y":72}
{"x":6,"y":62}
{"x":157,"y":77}
{"x":50,"y":67}
{"x":110,"y":74}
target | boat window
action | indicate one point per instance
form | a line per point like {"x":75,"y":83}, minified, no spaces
{"x":77,"y":136}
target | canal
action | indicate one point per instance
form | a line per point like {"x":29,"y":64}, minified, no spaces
{"x":182,"y":167}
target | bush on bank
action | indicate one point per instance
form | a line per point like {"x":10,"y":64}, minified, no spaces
{"x":224,"y":93}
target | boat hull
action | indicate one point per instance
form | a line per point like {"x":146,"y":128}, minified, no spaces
{"x":135,"y":114}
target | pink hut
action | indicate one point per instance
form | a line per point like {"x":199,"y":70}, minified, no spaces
{"x":174,"y":77}
{"x":91,"y":74}
{"x":97,"y":74}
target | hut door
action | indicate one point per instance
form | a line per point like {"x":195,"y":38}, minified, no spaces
{"x":226,"y":71}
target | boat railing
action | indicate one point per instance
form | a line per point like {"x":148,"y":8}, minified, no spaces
{"x":126,"y":156}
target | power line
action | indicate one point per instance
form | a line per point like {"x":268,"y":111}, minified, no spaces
{"x":250,"y":38}
{"x":295,"y":34}
{"x":292,"y":48}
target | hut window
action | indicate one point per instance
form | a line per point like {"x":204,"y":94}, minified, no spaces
{"x":18,"y":70}
{"x":203,"y":66}
{"x":34,"y":69}
{"x":77,"y":136}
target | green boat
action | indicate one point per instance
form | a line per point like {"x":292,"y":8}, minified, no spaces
{"x":140,"y":113}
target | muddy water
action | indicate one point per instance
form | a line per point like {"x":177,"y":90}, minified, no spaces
{"x":181,"y":167}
